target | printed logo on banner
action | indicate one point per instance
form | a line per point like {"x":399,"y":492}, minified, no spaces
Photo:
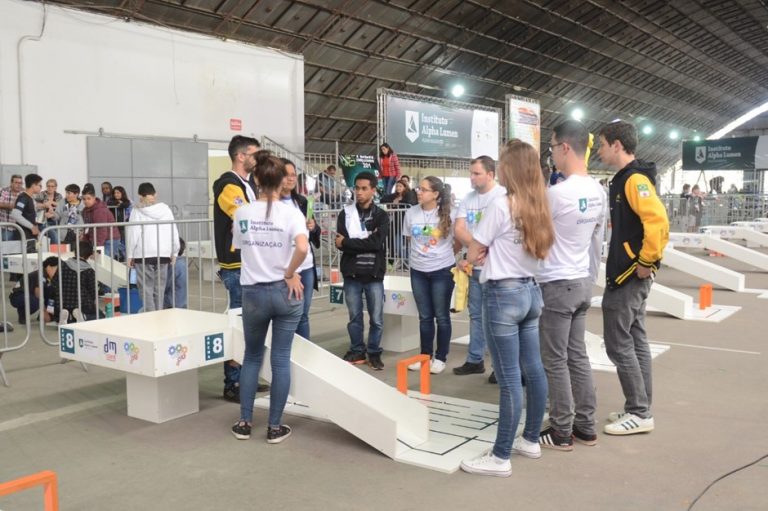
{"x":132,"y":351}
{"x":582,"y":205}
{"x":178,"y":353}
{"x":701,"y":154}
{"x":67,"y":338}
{"x":214,"y":346}
{"x":411,"y":125}
{"x":110,"y":350}
{"x":87,"y":345}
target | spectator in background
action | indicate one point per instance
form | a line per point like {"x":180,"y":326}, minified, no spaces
{"x":25,"y":213}
{"x":48,"y":200}
{"x":696,"y":206}
{"x":410,"y":196}
{"x":176,"y":283}
{"x":36,"y":298}
{"x":403,"y":198}
{"x":150,"y":248}
{"x":329,"y":188}
{"x":8,"y":197}
{"x":106,"y":192}
{"x":686,"y":192}
{"x":121,"y":207}
{"x":89,"y":187}
{"x":70,"y":212}
{"x":402,"y":195}
{"x":389,"y":167}
{"x":75,"y":294}
{"x":96,"y":212}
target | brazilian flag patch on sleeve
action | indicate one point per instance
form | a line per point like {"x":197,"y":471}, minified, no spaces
{"x":643,"y":190}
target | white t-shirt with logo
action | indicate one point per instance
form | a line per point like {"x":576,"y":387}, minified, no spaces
{"x":472,"y":208}
{"x":266,"y":244}
{"x":431,"y":249}
{"x":308,"y":262}
{"x":506,"y":257}
{"x":578,"y":207}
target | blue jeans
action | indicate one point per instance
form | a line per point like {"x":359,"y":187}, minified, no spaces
{"x":231,"y":280}
{"x":374,"y":297}
{"x":308,"y":280}
{"x":388,"y":184}
{"x":176,"y":285}
{"x":432,"y":291}
{"x":511,"y":310}
{"x":264,"y":304}
{"x":477,"y":343}
{"x":114,"y":249}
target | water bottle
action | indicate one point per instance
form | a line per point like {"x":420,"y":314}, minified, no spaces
{"x":109,"y":309}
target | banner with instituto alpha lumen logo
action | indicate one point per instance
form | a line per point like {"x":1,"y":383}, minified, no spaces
{"x":431,"y":129}
{"x":738,"y":153}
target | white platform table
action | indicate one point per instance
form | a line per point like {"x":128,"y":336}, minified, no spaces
{"x":159,"y":352}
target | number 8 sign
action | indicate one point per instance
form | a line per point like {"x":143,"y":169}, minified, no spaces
{"x":214,"y":346}
{"x":67,"y":338}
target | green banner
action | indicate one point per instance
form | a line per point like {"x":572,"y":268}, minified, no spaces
{"x":720,"y":154}
{"x":353,"y":164}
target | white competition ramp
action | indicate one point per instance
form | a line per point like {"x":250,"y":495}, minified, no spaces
{"x":754,"y":237}
{"x":669,"y":301}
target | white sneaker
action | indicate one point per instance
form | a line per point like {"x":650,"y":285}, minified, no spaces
{"x":488,"y":465}
{"x":63,"y":317}
{"x":436,"y":366}
{"x":525,"y":448}
{"x":615,"y":416}
{"x":629,"y":424}
{"x":415,"y":366}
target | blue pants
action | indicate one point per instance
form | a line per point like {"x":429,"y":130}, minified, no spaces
{"x":432,"y":292}
{"x":264,"y":304}
{"x":511,"y":310}
{"x":374,"y":298}
{"x":477,"y":343}
{"x":308,"y":280}
{"x":231,"y":280}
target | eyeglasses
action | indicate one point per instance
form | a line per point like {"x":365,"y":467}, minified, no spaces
{"x":420,"y":189}
{"x":552,"y":146}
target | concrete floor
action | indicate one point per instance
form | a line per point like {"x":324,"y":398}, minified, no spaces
{"x":709,"y":404}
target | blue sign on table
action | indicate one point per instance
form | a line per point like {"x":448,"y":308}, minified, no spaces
{"x":67,"y":338}
{"x":214,"y":346}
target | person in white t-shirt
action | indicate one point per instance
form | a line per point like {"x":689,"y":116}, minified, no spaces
{"x":482,"y":174}
{"x":515,"y":234}
{"x":272,"y":238}
{"x":578,"y":206}
{"x":428,"y":226}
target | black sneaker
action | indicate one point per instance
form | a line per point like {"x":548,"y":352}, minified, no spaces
{"x":241,"y":430}
{"x":469,"y":368}
{"x":277,"y":435}
{"x":492,"y":378}
{"x":262,"y":387}
{"x":232,"y":394}
{"x":584,"y":438}
{"x":551,"y":439}
{"x":374,"y":360}
{"x":354,"y":358}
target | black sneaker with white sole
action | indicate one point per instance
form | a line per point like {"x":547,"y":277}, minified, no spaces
{"x":354,"y":358}
{"x":551,"y":439}
{"x":277,"y":435}
{"x":374,"y":360}
{"x":469,"y":368}
{"x":580,"y":436}
{"x":241,"y":430}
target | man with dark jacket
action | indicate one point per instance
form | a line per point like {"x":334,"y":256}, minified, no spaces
{"x":361,"y":235}
{"x":72,"y":296}
{"x":97,"y":212}
{"x":230,"y":191}
{"x":640,"y":233}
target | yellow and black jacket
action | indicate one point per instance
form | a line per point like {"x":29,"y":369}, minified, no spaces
{"x":640,"y":227}
{"x":229,"y":193}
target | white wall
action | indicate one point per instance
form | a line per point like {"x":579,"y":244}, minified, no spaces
{"x":90,"y":72}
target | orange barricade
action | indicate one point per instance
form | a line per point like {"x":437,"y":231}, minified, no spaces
{"x":402,"y":373}
{"x":46,"y":479}
{"x":705,"y":296}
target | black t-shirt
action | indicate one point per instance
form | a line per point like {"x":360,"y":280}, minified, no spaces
{"x":26,"y":205}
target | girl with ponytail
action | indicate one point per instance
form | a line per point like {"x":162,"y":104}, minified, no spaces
{"x":515,"y":234}
{"x":429,"y":228}
{"x":272,"y":238}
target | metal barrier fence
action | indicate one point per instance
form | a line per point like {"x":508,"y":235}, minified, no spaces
{"x":14,"y":243}
{"x":687,"y":214}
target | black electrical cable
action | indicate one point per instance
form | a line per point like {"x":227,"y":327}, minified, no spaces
{"x":710,"y":485}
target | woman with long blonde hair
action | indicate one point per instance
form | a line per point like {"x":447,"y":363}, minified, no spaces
{"x":515,"y":234}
